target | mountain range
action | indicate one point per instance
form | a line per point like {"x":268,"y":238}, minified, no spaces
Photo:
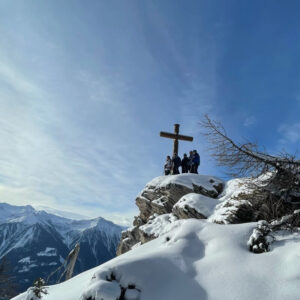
{"x":36,"y":242}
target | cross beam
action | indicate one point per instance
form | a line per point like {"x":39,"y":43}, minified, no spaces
{"x":176,"y":136}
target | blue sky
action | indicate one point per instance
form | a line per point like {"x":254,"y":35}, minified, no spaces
{"x":86,"y":86}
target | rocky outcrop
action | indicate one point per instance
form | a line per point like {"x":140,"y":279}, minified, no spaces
{"x":129,"y":238}
{"x":157,"y":202}
{"x":156,"y":225}
{"x":233,"y":212}
{"x":162,"y":193}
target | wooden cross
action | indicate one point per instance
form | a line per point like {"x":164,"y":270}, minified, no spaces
{"x":176,"y":136}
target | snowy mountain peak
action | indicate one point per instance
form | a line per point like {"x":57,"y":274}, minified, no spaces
{"x":10,"y":212}
{"x":26,"y":235}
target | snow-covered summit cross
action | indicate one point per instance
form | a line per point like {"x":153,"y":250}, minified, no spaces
{"x":176,"y":136}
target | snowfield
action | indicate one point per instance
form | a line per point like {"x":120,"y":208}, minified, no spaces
{"x":193,"y":259}
{"x":196,"y":260}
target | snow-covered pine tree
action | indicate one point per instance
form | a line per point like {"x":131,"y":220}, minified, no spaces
{"x":39,"y":288}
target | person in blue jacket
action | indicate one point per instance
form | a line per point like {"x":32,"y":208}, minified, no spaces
{"x":195,"y":162}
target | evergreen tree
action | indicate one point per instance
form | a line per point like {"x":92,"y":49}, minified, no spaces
{"x":7,"y":282}
{"x":39,"y":288}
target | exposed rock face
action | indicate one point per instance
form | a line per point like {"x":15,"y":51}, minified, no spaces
{"x":233,"y":212}
{"x":129,"y":238}
{"x":158,"y":199}
{"x":155,"y":226}
{"x":162,"y":193}
{"x":187,"y":212}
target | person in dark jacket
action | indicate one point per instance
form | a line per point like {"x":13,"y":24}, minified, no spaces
{"x":196,"y":162}
{"x":176,"y":163}
{"x":185,"y":163}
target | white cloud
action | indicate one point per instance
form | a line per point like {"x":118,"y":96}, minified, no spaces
{"x":290,"y":133}
{"x":11,"y":76}
{"x":249,"y":121}
{"x":48,"y":158}
{"x":23,"y":196}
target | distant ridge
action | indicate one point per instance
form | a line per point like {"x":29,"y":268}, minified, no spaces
{"x":37,"y":242}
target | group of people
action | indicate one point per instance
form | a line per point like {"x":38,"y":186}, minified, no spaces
{"x":188,"y":164}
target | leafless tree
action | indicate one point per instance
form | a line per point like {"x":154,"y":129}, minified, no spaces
{"x":7,"y":282}
{"x":242,"y":159}
{"x":278,"y":189}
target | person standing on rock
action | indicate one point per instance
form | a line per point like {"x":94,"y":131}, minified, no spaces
{"x":176,"y":163}
{"x":168,"y":165}
{"x":190,"y":162}
{"x":185,"y":163}
{"x":195,"y":162}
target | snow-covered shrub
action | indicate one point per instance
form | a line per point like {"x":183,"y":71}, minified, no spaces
{"x":106,"y":286}
{"x":261,"y":236}
{"x":36,"y":292}
{"x":102,"y":290}
{"x":260,"y":239}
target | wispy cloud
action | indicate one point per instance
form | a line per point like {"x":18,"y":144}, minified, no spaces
{"x":50,"y":160}
{"x":66,"y":131}
{"x":249,"y":121}
{"x":290,"y":133}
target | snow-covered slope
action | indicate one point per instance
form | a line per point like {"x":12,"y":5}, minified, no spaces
{"x":38,"y":242}
{"x":184,"y":245}
{"x":195,"y":260}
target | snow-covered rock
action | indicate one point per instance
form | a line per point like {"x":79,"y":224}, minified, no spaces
{"x":233,"y":212}
{"x":135,"y":236}
{"x":161,"y":193}
{"x":159,"y":197}
{"x":158,"y":225}
{"x":194,"y":206}
{"x":233,"y":206}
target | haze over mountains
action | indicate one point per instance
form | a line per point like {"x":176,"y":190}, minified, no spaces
{"x":37,"y":242}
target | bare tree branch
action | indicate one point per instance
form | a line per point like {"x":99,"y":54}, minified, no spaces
{"x":278,"y":190}
{"x":241,"y":159}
